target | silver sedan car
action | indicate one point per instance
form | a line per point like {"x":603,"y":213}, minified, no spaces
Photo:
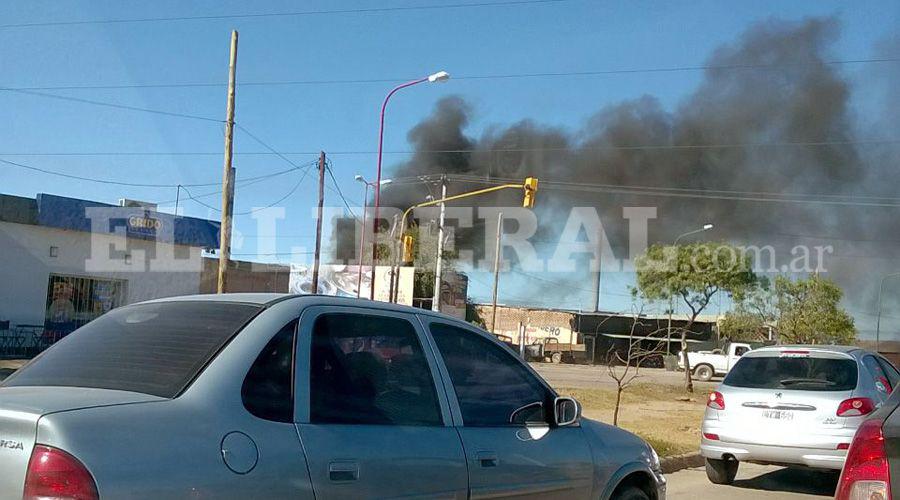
{"x":279,"y":396}
{"x":792,"y":405}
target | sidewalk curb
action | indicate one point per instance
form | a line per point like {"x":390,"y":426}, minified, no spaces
{"x":680,"y":462}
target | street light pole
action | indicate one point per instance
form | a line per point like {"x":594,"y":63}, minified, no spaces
{"x":706,"y":227}
{"x":440,"y":76}
{"x":878,"y":317}
{"x":436,"y":301}
{"x":362,"y":237}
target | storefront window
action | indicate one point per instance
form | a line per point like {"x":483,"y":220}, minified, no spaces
{"x":73,"y":301}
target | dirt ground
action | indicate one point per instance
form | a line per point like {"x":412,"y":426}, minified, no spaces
{"x":655,"y":407}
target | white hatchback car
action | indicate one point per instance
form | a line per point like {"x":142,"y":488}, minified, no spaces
{"x":792,"y":405}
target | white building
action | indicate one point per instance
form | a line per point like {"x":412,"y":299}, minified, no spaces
{"x":66,"y":261}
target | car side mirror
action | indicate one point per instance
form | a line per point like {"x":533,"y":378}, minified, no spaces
{"x":566,"y":411}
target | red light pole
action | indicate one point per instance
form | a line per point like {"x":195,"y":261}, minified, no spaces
{"x":440,"y":76}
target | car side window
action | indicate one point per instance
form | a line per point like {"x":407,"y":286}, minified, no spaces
{"x":268,"y":389}
{"x":368,"y":369}
{"x":882,"y":383}
{"x":893,"y":375}
{"x":740,"y":351}
{"x":492,"y":386}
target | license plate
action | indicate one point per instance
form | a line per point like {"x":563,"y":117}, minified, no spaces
{"x":778,"y":415}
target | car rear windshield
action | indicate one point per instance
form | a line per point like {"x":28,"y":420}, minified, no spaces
{"x":798,"y":373}
{"x":154,"y":348}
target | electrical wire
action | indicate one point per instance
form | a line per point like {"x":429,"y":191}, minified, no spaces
{"x":110,"y":105}
{"x":338,"y":189}
{"x":567,"y":285}
{"x":573,"y":149}
{"x":97,"y":180}
{"x":497,"y":76}
{"x":139,"y":184}
{"x":370,"y":10}
{"x":258,"y":209}
{"x":840,"y":200}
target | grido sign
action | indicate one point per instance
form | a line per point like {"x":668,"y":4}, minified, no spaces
{"x":144,"y":224}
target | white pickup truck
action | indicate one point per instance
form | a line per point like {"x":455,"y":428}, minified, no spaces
{"x":706,"y":364}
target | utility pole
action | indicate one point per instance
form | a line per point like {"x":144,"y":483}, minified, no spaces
{"x":227,"y":172}
{"x":496,"y":273}
{"x":315,"y":276}
{"x":436,"y":301}
{"x":597,"y":276}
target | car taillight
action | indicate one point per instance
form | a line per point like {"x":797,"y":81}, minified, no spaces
{"x":54,"y":474}
{"x":855,"y":407}
{"x":716,"y":401}
{"x":866,"y":474}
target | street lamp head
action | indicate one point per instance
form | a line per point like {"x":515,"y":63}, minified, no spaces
{"x":440,"y":76}
{"x":707,"y":227}
{"x":359,"y":178}
{"x":385,"y":182}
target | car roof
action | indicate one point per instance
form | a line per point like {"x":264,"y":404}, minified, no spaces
{"x":841,"y":349}
{"x":267,"y":299}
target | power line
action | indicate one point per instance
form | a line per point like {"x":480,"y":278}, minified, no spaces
{"x":258,"y":209}
{"x":271,"y":254}
{"x":697,"y":193}
{"x":496,"y":76}
{"x":338,"y":189}
{"x":143,"y":185}
{"x":97,"y":180}
{"x":111,"y":105}
{"x":370,"y":10}
{"x":572,"y":149}
{"x":704,"y":190}
{"x":567,"y":285}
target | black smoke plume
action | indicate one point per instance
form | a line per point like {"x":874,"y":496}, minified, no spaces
{"x":774,"y":87}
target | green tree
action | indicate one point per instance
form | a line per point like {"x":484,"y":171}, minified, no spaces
{"x":809,"y":312}
{"x":755,"y":313}
{"x":692,"y":274}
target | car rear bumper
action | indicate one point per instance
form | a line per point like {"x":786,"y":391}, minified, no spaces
{"x":824,"y":454}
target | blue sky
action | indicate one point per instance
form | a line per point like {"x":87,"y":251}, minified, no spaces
{"x":568,"y":36}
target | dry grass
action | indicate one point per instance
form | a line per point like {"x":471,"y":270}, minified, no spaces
{"x":653,"y":412}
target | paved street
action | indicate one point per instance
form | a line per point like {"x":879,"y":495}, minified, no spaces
{"x":754,"y":481}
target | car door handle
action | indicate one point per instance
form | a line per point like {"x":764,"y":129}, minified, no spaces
{"x":343,"y":471}
{"x":486,"y":458}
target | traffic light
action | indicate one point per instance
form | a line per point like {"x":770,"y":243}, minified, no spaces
{"x":407,"y":252}
{"x":530,"y":186}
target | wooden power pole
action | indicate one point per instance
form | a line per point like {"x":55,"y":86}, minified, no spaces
{"x":496,"y":273}
{"x":228,"y":172}
{"x":315,"y":275}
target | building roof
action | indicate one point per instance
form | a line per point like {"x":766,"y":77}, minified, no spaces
{"x":92,"y":217}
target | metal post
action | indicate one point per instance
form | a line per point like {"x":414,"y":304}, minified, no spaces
{"x":228,"y":172}
{"x":377,"y":200}
{"x":436,"y":301}
{"x":362,"y":242}
{"x":496,"y":273}
{"x":878,"y":318}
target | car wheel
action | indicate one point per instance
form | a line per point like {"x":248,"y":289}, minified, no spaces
{"x":556,"y":357}
{"x":631,"y":493}
{"x":721,"y":471}
{"x":704,"y":373}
